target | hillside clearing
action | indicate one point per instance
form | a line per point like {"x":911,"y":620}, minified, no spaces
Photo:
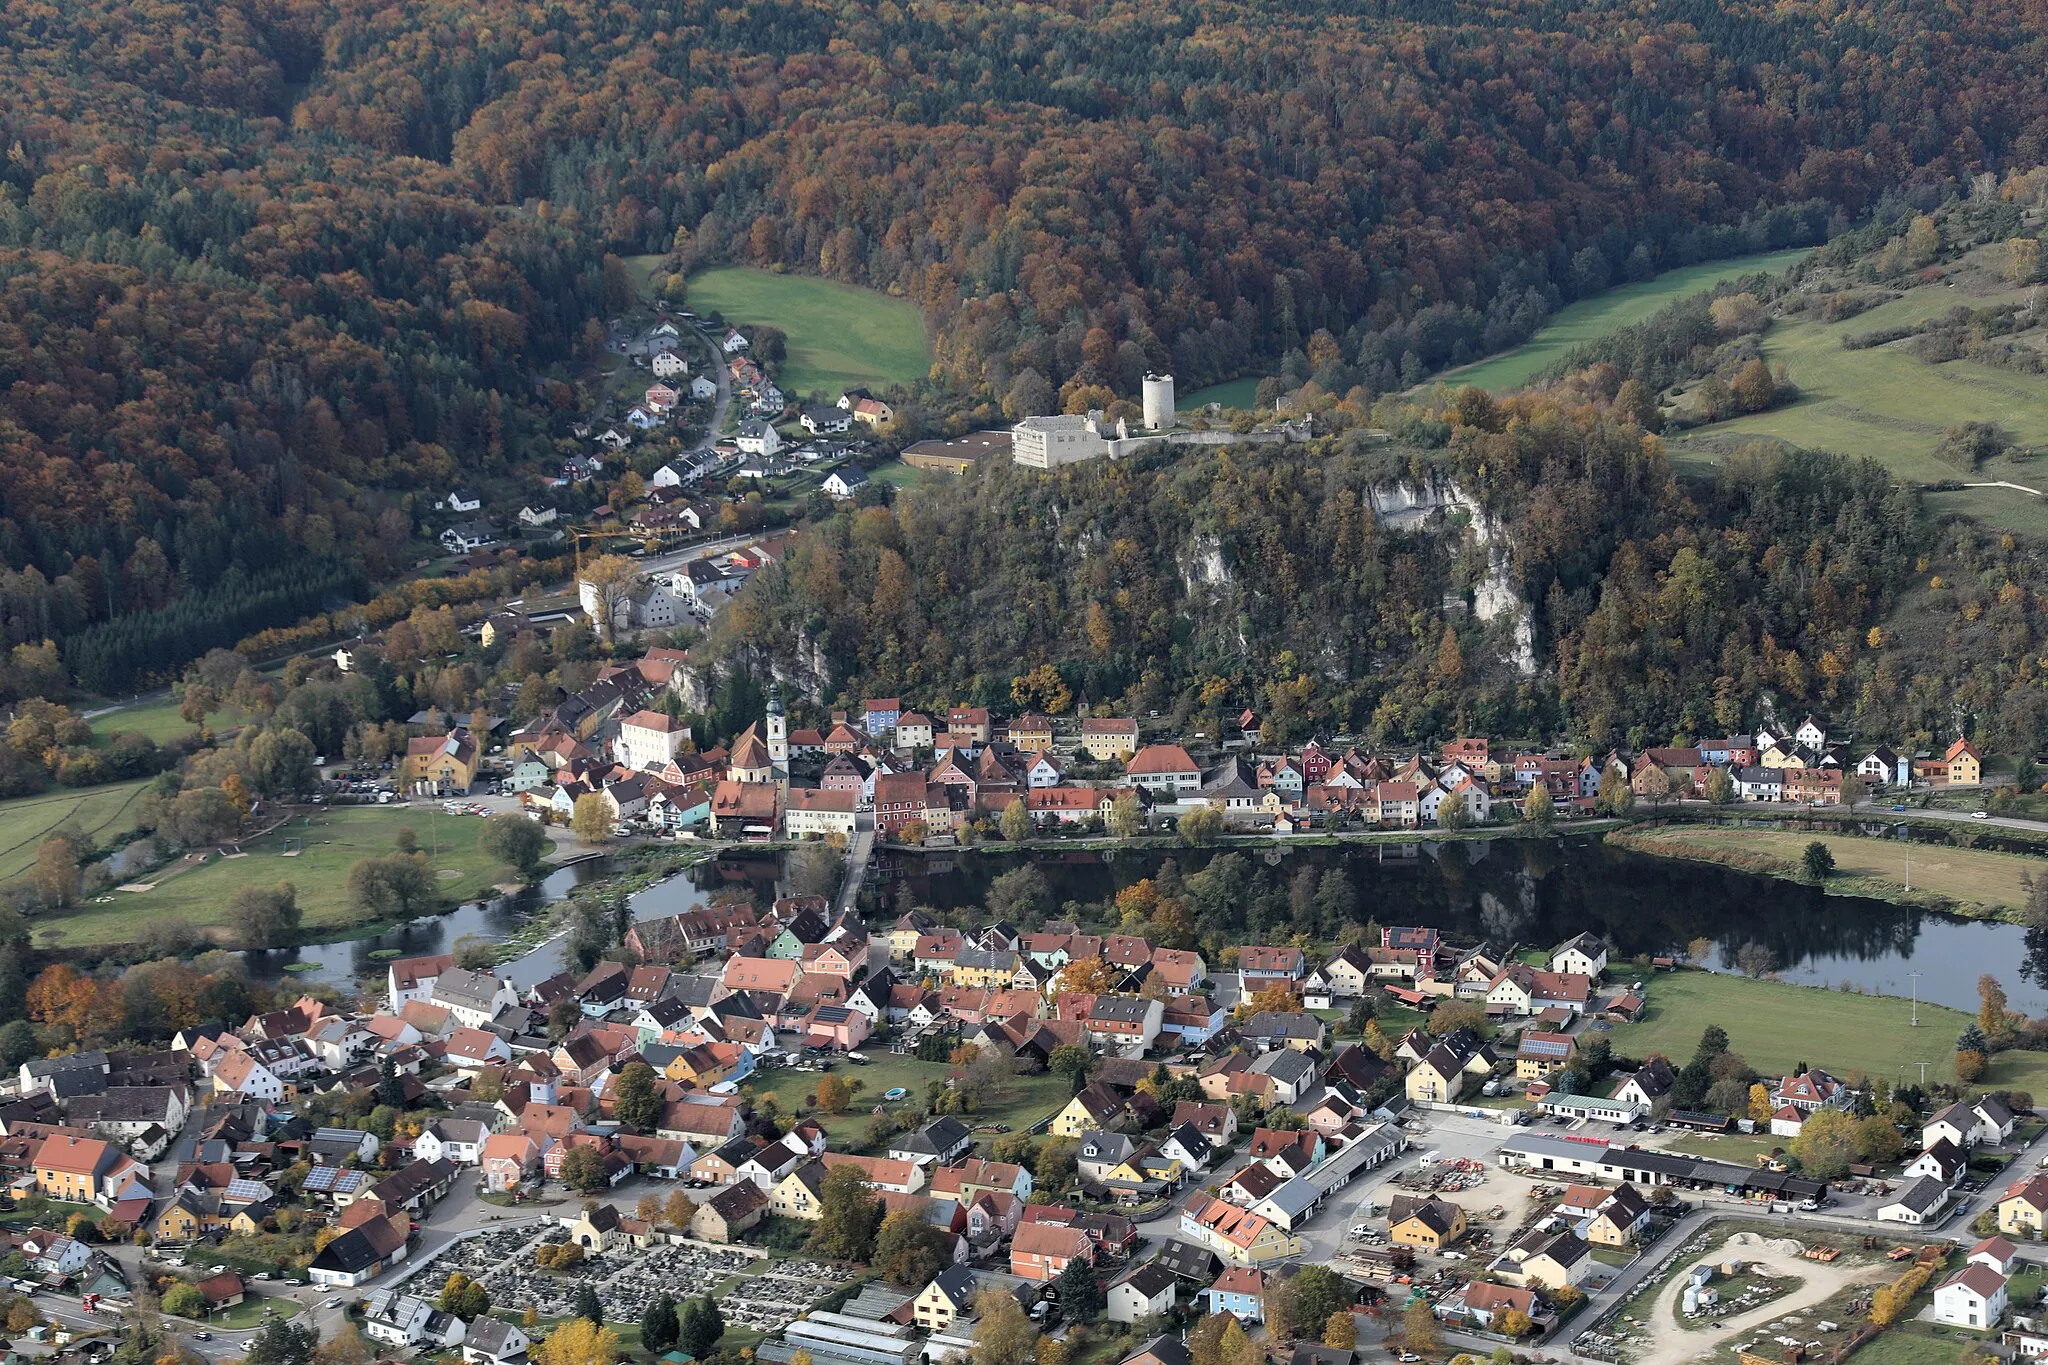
{"x":1231,"y":393}
{"x":1605,"y":312}
{"x":840,"y":335}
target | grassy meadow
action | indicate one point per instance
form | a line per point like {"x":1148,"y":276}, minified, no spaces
{"x":1776,"y":1026}
{"x":1605,"y":312}
{"x":839,"y":334}
{"x":197,"y":891}
{"x":1232,"y":393}
{"x":1972,"y":876}
{"x":1024,"y":1100}
{"x":98,"y":811}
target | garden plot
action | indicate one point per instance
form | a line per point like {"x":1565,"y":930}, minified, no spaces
{"x":770,"y":1302}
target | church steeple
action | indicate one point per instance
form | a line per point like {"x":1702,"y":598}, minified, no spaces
{"x":778,"y":727}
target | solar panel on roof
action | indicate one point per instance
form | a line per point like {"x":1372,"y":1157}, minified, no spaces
{"x":330,"y":1179}
{"x":246,"y":1190}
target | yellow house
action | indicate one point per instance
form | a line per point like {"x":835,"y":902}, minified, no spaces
{"x":1437,"y":1078}
{"x":1431,"y":1224}
{"x":73,"y":1168}
{"x":1106,"y":738}
{"x":1615,"y":1222}
{"x":1539,"y":1054}
{"x":948,"y":1298}
{"x":992,"y":969}
{"x":1965,"y":765}
{"x":2024,"y":1209}
{"x":1031,"y":734}
{"x":1778,"y":756}
{"x":184,"y":1220}
{"x":1143,"y":1165}
{"x":1094,"y":1107}
{"x":797,"y":1196}
{"x":700,"y":1065}
{"x":1239,"y":1236}
{"x":449,"y":761}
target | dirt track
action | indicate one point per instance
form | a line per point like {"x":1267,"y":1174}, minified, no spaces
{"x":1680,"y":1345}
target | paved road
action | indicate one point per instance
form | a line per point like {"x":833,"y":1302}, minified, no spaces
{"x":857,"y":856}
{"x":1883,"y":808}
{"x":724,"y":399}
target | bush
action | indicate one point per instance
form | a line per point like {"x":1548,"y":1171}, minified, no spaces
{"x":185,"y":1301}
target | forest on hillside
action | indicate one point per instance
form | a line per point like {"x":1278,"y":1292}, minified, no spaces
{"x":272,"y":272}
{"x":1201,"y":582}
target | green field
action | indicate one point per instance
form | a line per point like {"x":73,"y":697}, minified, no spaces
{"x":1776,"y":1026}
{"x":1866,"y":866}
{"x":1234,"y":393}
{"x":1581,"y":322}
{"x":839,"y":335}
{"x":98,"y":811}
{"x":1883,"y":402}
{"x":1024,"y":1100}
{"x":898,"y":475}
{"x":333,"y":842}
{"x":161,"y":722}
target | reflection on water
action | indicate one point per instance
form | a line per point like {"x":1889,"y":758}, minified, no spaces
{"x":753,"y":874}
{"x":1543,"y":891}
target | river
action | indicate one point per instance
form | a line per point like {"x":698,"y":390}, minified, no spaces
{"x":1540,"y":892}
{"x":1527,"y":891}
{"x":350,"y":959}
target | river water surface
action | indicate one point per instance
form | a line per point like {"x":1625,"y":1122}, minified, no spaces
{"x":1527,"y":891}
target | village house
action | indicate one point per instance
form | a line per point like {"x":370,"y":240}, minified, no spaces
{"x":2023,"y":1208}
{"x":1972,"y":1297}
{"x":1107,"y":739}
{"x":1040,"y":1251}
{"x":1428,"y":1224}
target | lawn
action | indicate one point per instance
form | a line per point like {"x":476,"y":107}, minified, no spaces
{"x":1741,"y":1148}
{"x":332,"y":841}
{"x":1234,"y":393}
{"x":839,"y":334}
{"x":1776,"y":1026}
{"x":1024,"y":1099}
{"x":250,"y":1312}
{"x":897,"y":475}
{"x":1970,"y":875}
{"x":158,"y":719}
{"x":1605,"y":312}
{"x":99,"y":811}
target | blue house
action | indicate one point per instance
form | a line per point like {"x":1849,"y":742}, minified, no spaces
{"x":1240,"y":1290}
{"x":681,"y":808}
{"x":882,"y":714}
{"x":1192,"y":1018}
{"x":1589,"y":778}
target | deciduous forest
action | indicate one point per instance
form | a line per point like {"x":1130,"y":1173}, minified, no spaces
{"x":270,"y":271}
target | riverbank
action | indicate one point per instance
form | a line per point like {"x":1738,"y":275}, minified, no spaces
{"x":1971,"y":882}
{"x":1171,"y":843}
